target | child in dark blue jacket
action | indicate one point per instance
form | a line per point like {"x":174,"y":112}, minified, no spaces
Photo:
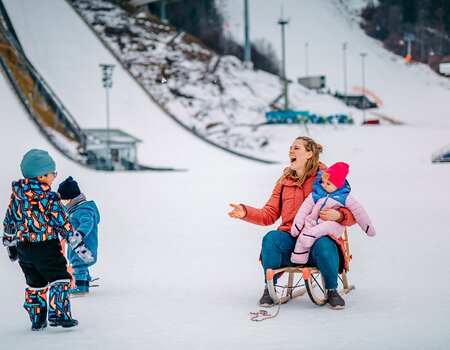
{"x":84,"y":217}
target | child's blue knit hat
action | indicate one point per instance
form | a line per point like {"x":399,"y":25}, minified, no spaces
{"x":36,"y":163}
{"x":68,"y":189}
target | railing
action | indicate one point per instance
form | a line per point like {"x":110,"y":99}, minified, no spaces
{"x":5,"y":21}
{"x":41,"y":90}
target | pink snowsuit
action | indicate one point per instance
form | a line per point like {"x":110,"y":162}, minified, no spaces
{"x":308,"y":227}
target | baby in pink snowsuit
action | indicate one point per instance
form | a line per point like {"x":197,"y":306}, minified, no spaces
{"x":330,"y":191}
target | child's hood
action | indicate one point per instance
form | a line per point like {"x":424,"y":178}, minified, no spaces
{"x":31,"y":190}
{"x":91,"y":207}
{"x":339,"y":195}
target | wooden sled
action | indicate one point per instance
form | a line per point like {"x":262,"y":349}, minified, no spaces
{"x":309,"y":280}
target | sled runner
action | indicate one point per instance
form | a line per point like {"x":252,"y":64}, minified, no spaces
{"x":310,"y":281}
{"x":94,"y":280}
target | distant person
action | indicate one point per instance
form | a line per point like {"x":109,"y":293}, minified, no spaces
{"x":330,"y":191}
{"x":34,"y":220}
{"x":290,"y":191}
{"x":85,"y":217}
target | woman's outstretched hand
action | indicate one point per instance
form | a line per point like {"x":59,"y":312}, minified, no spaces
{"x":238,"y":211}
{"x":329,"y":215}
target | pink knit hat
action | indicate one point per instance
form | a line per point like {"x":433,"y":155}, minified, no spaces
{"x":336,"y":174}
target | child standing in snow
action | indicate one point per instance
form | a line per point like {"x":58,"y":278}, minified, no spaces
{"x":34,"y":220}
{"x":84,"y":216}
{"x":330,"y":190}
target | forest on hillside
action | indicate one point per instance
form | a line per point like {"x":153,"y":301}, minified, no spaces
{"x":425,"y":22}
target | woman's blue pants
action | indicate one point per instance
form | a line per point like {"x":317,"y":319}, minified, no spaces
{"x":277,"y":247}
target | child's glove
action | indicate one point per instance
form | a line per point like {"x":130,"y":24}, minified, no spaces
{"x":76,"y":243}
{"x":12,"y":253}
{"x":10,"y":245}
{"x":8,"y":241}
{"x":84,"y":253}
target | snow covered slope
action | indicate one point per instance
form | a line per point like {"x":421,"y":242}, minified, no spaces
{"x":67,"y":54}
{"x":219,"y":105}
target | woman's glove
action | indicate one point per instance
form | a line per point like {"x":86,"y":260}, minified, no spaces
{"x":76,"y":243}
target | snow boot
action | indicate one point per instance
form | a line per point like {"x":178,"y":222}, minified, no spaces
{"x":36,"y":306}
{"x":81,"y":288}
{"x":266,"y":300}
{"x":335,"y":300}
{"x":59,"y":305}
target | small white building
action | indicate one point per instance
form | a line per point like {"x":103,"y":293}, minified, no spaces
{"x":111,"y":149}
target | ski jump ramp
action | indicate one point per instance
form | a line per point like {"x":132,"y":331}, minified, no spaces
{"x":68,"y":54}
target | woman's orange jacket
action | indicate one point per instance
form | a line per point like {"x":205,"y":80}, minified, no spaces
{"x":285,"y":201}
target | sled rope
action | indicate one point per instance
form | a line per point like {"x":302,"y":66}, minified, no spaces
{"x":263,"y":315}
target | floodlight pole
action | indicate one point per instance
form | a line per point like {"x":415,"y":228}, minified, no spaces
{"x":247,"y":47}
{"x":363,"y":56}
{"x":344,"y":50}
{"x":282,"y":22}
{"x":409,"y":38}
{"x":306,"y":59}
{"x":107,"y":84}
{"x":162,"y":10}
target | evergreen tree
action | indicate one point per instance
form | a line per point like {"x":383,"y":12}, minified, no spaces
{"x":428,"y":20}
{"x":409,"y":10}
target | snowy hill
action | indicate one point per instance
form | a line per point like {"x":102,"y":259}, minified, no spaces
{"x":176,"y":272}
{"x":218,"y":99}
{"x":55,"y":51}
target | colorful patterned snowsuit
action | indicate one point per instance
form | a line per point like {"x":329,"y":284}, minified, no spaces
{"x":35,"y":219}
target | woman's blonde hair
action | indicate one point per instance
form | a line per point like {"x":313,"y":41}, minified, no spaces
{"x":311,"y":166}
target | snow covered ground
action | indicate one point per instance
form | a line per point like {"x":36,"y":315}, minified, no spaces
{"x":177,"y":273}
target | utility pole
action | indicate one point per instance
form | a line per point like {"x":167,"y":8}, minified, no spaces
{"x":247,"y":48}
{"x":162,"y":11}
{"x":107,"y":84}
{"x":282,"y":22}
{"x":306,"y":59}
{"x":363,"y":56}
{"x":344,"y":50}
{"x":409,"y":38}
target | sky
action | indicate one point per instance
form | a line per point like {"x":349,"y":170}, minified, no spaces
{"x":177,"y":273}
